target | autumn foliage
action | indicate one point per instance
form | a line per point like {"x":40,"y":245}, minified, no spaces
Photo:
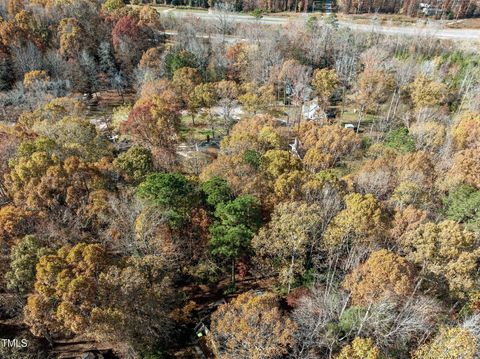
{"x":172,"y":183}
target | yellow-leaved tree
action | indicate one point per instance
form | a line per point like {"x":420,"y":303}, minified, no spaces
{"x":282,"y":247}
{"x":427,"y":93}
{"x":466,"y":132}
{"x":449,"y":343}
{"x":360,"y":349}
{"x":324,"y":81}
{"x":445,"y":250}
{"x":362,"y":222}
{"x":66,"y":290}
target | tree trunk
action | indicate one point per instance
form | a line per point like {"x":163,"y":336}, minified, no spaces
{"x":360,"y":119}
{"x":291,"y":273}
{"x":363,"y":320}
{"x":344,"y":94}
{"x":233,"y":273}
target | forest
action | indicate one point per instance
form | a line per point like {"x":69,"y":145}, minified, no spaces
{"x":182,"y":188}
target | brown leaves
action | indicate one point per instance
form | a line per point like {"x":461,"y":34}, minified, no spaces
{"x":384,"y":274}
{"x":251,"y":326}
{"x":155,"y":123}
{"x":326,"y":145}
{"x":466,"y":167}
{"x":14,"y":223}
{"x":373,"y":88}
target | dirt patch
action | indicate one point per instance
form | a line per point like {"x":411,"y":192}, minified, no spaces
{"x":78,"y":346}
{"x":464,"y":24}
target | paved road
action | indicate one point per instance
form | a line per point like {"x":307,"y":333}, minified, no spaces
{"x":437,"y":32}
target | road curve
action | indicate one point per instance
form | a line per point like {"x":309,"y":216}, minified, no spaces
{"x":436,"y":32}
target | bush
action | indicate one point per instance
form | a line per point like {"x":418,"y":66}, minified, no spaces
{"x":112,"y":5}
{"x":400,"y":140}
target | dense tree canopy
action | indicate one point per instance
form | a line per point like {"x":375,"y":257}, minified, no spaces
{"x":255,"y":189}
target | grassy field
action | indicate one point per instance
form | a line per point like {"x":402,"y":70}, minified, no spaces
{"x":199,"y":131}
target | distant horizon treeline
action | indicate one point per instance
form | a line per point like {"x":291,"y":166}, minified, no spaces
{"x":446,"y":9}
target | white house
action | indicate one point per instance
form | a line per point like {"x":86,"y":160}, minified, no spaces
{"x":311,"y":110}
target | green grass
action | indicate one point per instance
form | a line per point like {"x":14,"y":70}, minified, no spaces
{"x":351,"y":117}
{"x":201,"y":129}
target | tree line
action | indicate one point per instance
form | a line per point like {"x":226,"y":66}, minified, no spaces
{"x":325,"y":241}
{"x":442,"y":9}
